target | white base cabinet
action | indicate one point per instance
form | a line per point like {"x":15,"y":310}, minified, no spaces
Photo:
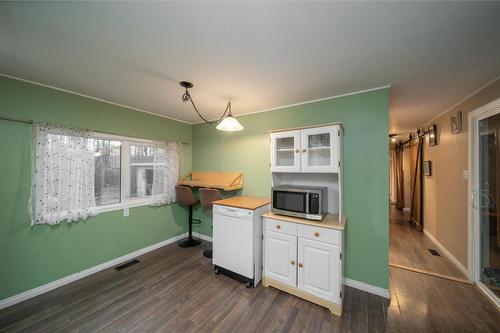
{"x":304,"y":260}
{"x":280,"y":266}
{"x":319,"y":273}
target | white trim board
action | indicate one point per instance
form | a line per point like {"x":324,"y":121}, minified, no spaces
{"x":202,"y":236}
{"x":448,"y":254}
{"x":184,"y":121}
{"x":368,"y":288}
{"x":91,"y":97}
{"x":305,"y":102}
{"x":462,"y":100}
{"x":6,"y":302}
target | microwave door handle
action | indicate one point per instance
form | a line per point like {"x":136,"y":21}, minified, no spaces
{"x":307,"y":203}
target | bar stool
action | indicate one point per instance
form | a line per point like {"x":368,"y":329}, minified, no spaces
{"x":184,"y":196}
{"x":207,"y":198}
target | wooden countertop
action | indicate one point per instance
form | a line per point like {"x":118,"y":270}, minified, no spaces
{"x":243,"y":201}
{"x":194,"y":183}
{"x":331,"y":221}
{"x":227,"y":181}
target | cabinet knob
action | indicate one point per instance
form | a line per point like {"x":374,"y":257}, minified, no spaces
{"x":292,"y":262}
{"x":297,"y":151}
{"x":278,"y":227}
{"x":300,"y":265}
{"x":304,"y":150}
{"x":316,"y":234}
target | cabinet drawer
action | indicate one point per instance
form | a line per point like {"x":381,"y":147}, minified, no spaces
{"x":320,"y":234}
{"x":280,"y":226}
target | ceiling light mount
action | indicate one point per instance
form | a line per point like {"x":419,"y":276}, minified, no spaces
{"x":186,"y":84}
{"x":225,"y":123}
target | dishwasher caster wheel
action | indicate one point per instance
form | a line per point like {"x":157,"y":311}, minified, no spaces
{"x":216,"y":271}
{"x":248,"y":284}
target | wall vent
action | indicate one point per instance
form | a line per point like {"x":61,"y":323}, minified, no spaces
{"x":434,"y":252}
{"x":127,"y":264}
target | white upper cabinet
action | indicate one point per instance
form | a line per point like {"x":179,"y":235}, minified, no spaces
{"x":320,"y":149}
{"x":285,"y":151}
{"x":310,"y":150}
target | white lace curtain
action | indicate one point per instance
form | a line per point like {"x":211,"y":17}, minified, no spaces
{"x":165,"y":173}
{"x":63,"y":180}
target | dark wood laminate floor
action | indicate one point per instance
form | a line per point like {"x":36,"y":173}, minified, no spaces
{"x":409,"y":247}
{"x":175,"y":290}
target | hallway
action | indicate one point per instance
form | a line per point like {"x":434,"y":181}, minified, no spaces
{"x":410,"y":248}
{"x":422,"y":302}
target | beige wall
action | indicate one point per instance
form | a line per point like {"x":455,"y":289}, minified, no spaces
{"x":445,"y":192}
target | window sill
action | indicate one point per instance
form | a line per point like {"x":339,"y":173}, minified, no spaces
{"x":131,"y":203}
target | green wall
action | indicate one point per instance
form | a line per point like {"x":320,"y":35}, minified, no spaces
{"x":33,"y":256}
{"x":366,"y":179}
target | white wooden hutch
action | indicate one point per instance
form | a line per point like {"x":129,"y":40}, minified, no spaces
{"x":304,"y":257}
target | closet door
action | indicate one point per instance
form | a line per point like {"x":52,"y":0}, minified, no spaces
{"x":320,"y":149}
{"x":285,"y":151}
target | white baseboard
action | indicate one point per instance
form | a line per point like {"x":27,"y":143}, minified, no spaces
{"x":202,"y":236}
{"x":6,"y":302}
{"x":368,"y":288}
{"x":448,"y":254}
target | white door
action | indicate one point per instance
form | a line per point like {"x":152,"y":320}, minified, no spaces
{"x":485,"y":194}
{"x":285,"y":151}
{"x":320,"y":149}
{"x":280,"y":256}
{"x":319,"y":269}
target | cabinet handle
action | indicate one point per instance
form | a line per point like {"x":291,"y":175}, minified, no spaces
{"x":278,"y":227}
{"x":316,"y":234}
{"x":304,"y":150}
{"x":300,"y":265}
{"x":297,"y":151}
{"x":292,"y":262}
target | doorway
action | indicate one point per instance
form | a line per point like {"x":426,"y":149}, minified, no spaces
{"x":484,"y":190}
{"x":409,"y":247}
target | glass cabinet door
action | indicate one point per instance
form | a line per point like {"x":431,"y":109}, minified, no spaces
{"x":320,"y":149}
{"x":285,"y":151}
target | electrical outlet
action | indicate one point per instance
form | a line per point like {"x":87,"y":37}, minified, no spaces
{"x":126,"y":212}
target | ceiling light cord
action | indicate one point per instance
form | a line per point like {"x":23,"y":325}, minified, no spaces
{"x":226,"y":122}
{"x":187,"y":97}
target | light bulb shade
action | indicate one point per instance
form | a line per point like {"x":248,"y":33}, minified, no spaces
{"x":229,"y":124}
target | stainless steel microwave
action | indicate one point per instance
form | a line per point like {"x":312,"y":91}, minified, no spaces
{"x":309,"y":202}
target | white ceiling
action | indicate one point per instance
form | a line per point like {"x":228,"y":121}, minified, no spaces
{"x":261,"y":55}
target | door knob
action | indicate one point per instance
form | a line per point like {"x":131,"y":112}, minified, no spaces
{"x":304,"y":150}
{"x":300,"y":265}
{"x":297,"y":151}
{"x":278,"y":227}
{"x":316,"y":234}
{"x":292,"y":262}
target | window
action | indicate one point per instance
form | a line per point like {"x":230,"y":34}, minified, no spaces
{"x":107,"y":179}
{"x":141,"y":171}
{"x":130,"y":172}
{"x":80,"y":173}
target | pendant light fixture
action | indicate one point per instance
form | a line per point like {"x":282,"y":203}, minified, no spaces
{"x":225,"y":123}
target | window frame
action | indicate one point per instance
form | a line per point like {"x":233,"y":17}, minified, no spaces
{"x":125,"y":201}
